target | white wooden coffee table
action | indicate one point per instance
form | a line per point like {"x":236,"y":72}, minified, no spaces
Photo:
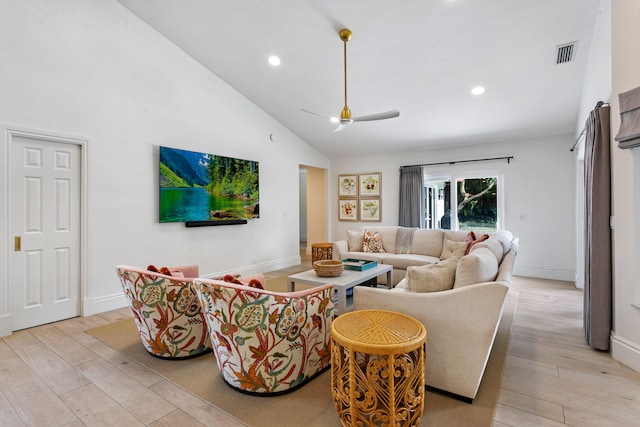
{"x":347,"y":280}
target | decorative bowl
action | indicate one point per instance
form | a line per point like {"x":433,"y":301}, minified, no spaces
{"x":328,"y":268}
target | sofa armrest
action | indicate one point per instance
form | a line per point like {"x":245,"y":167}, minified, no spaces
{"x":505,"y":269}
{"x":340,"y":247}
{"x":461,"y":325}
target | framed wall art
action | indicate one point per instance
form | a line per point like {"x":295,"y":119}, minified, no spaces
{"x":348,"y":209}
{"x":348,"y":185}
{"x":370,"y":184}
{"x":370,"y":209}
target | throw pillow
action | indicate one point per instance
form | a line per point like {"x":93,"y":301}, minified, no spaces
{"x":253,"y":283}
{"x":477,"y":267}
{"x":453,"y":249}
{"x":432,"y":277}
{"x":354,"y":240}
{"x":372,"y":242}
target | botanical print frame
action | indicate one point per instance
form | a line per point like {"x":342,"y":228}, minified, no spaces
{"x":348,"y":185}
{"x":348,"y":209}
{"x":370,"y":209}
{"x":370,"y":184}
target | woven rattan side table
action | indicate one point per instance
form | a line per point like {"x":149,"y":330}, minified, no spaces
{"x":377,"y":368}
{"x":321,"y":251}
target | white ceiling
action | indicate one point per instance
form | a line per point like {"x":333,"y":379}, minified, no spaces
{"x":421,"y":57}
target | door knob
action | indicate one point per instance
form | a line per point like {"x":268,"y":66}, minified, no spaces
{"x":17,"y":244}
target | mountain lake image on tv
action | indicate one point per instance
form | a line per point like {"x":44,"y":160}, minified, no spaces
{"x":204,"y":187}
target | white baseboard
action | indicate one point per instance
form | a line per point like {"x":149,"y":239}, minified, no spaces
{"x":101,"y":304}
{"x":625,"y":352}
{"x":5,"y":325}
{"x":260,"y":268}
{"x":540,"y":273}
{"x":112,"y":302}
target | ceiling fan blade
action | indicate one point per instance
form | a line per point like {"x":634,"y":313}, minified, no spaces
{"x":342,"y":126}
{"x":315,"y":114}
{"x":345,"y":116}
{"x":379,"y":116}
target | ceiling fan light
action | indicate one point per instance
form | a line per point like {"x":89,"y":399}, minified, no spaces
{"x":274,"y":60}
{"x":334,"y":120}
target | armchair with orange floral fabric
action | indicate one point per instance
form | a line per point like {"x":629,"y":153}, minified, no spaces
{"x":265,"y":342}
{"x":166,"y":310}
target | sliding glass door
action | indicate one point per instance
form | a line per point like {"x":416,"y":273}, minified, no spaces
{"x":477,"y":207}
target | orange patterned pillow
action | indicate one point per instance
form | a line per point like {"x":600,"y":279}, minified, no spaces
{"x":161,"y":270}
{"x":471,"y":240}
{"x":372,"y":242}
{"x":253,"y":283}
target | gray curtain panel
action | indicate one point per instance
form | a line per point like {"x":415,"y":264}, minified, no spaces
{"x":411,"y":197}
{"x":598,"y":283}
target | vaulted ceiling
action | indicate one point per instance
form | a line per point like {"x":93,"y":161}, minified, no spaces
{"x":421,"y":57}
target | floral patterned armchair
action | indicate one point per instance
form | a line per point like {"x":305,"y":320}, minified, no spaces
{"x":166,"y":310}
{"x":267,"y":342}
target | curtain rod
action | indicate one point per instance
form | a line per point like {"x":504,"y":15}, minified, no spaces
{"x":598,"y":105}
{"x":578,"y":140}
{"x":508,"y":159}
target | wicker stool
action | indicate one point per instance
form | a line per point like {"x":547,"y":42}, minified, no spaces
{"x":377,"y":368}
{"x":321,"y":251}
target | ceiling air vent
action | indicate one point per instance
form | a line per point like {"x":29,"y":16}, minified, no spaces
{"x":566,"y":52}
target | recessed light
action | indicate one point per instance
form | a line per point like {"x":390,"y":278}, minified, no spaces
{"x":274,"y":60}
{"x":334,"y":120}
{"x":478,"y":90}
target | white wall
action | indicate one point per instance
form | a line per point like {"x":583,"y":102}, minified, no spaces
{"x":596,"y":87}
{"x":539,"y":195}
{"x":303,"y":204}
{"x":91,"y":68}
{"x":625,"y":339}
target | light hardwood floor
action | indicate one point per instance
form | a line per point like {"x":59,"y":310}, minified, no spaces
{"x":57,"y":375}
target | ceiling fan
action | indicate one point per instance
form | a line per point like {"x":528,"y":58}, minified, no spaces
{"x":345,"y":116}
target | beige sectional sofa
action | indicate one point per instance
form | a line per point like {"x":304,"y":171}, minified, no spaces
{"x":461,"y":322}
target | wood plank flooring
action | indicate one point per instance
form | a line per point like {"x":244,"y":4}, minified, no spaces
{"x":57,"y":375}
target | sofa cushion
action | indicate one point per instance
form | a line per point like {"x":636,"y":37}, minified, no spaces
{"x":477,"y":267}
{"x":493,"y":245}
{"x":504,"y":237}
{"x":455,"y":235}
{"x":372,"y":242}
{"x":354,"y":240}
{"x":427,"y":242}
{"x":388,"y":235}
{"x":402,"y":261}
{"x":432,"y":277}
{"x":453,"y":249}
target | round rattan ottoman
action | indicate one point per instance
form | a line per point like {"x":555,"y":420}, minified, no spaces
{"x":377,"y":368}
{"x":321,"y":251}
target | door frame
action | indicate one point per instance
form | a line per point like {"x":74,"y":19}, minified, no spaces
{"x":10,"y":132}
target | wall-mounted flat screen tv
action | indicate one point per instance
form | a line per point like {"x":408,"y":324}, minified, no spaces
{"x":205,"y":187}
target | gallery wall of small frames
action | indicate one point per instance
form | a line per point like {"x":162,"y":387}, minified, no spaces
{"x":359,"y":197}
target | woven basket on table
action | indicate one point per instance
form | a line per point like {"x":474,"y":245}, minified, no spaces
{"x":328,"y":268}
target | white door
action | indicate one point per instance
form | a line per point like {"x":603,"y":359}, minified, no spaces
{"x":45,"y":227}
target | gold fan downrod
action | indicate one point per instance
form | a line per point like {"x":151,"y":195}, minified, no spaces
{"x":345,"y":36}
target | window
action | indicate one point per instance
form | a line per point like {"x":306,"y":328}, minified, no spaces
{"x":478,"y":202}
